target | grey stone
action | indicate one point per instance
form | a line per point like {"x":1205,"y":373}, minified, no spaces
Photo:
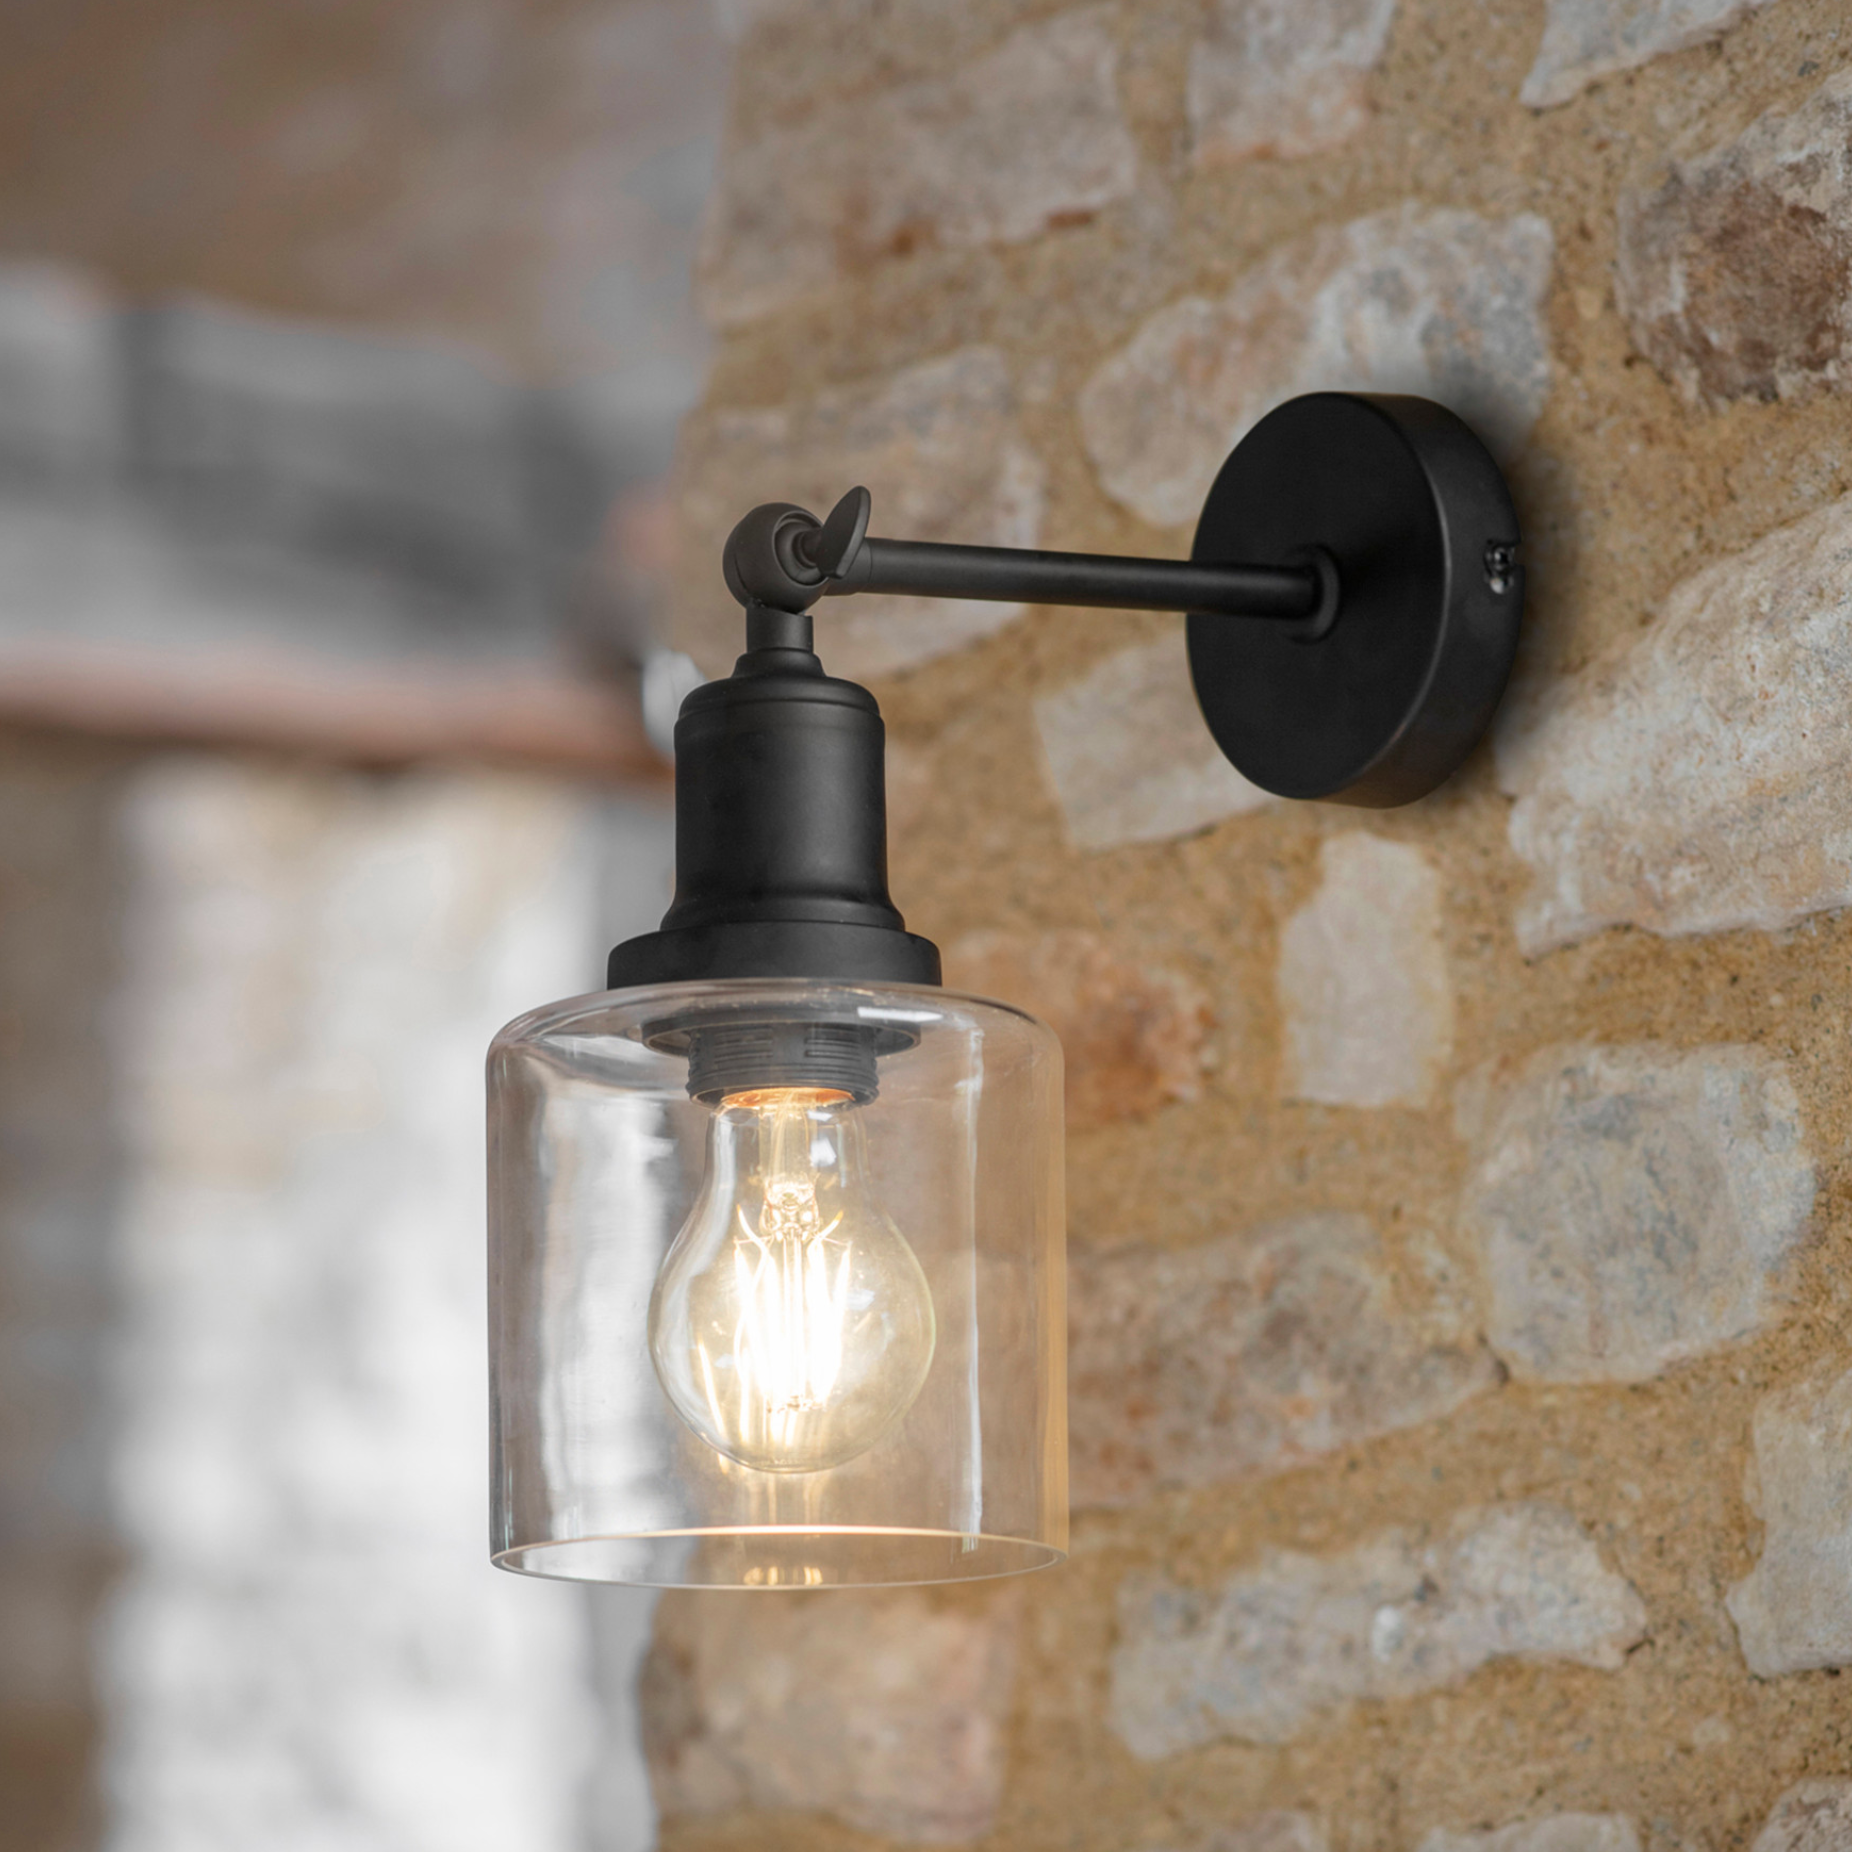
{"x":1283,"y":77}
{"x":1263,"y":1832}
{"x":1586,"y":40}
{"x":1363,"y":983}
{"x":1812,"y":1816}
{"x":1247,"y":1356}
{"x":61,"y":390}
{"x":1279,"y":1647}
{"x":1417,"y":299}
{"x":1693,"y":785}
{"x":404,"y":458}
{"x":1555,"y":1832}
{"x":1793,"y":1611}
{"x":1635,"y":1205}
{"x":1735,"y":273}
{"x":889,"y":1711}
{"x":221,"y":526}
{"x":940,"y":448}
{"x":1130,"y":757}
{"x":1028,"y":135}
{"x":308,"y":1645}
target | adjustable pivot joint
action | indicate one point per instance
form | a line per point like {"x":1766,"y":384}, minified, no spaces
{"x":782,"y":556}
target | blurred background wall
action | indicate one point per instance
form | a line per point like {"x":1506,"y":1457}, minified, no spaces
{"x":1458,"y":1194}
{"x":342,"y":353}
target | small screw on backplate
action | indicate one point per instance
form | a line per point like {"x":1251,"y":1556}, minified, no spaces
{"x":1501,"y":565}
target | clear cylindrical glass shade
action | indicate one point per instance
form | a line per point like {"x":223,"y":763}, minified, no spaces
{"x":792,"y":1335}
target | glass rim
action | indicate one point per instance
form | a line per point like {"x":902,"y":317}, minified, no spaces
{"x":547,"y":1017}
{"x":1047,"y":1555}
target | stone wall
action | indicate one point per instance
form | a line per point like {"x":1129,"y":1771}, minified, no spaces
{"x":1462,"y":1404}
{"x":325,"y":346}
{"x":244,"y":1593}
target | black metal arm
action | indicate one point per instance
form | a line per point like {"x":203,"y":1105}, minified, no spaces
{"x":785,"y":558}
{"x":1017,"y":575}
{"x":1386,"y":579}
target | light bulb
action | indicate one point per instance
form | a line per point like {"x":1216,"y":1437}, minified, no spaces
{"x":791,"y":1324}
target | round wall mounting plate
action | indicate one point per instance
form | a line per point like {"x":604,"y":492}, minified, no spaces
{"x":1380,"y":705}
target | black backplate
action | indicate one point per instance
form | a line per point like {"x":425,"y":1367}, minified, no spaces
{"x":1386,"y":705}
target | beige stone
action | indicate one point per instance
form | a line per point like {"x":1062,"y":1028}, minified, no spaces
{"x":1363,"y":984}
{"x":1283,"y":77}
{"x":1028,"y":136}
{"x":1238,"y":1358}
{"x":1555,"y":1832}
{"x":1694,"y":785}
{"x":1279,"y":1647}
{"x":939,"y":447}
{"x":1417,"y":299}
{"x":1131,"y":1030}
{"x":1587,"y":40}
{"x":1812,"y":1816}
{"x":1635,"y":1206}
{"x":886,"y":1710}
{"x":1130,"y":757}
{"x":1793,"y":1611}
{"x":1734,"y":272}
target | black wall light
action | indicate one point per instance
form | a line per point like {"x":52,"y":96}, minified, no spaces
{"x":776,"y":1237}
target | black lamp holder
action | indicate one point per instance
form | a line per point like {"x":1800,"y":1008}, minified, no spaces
{"x":1357,"y":659}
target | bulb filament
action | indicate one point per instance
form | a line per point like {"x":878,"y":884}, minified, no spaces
{"x":791,"y":1283}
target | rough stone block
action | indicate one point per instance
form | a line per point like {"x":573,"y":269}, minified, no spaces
{"x":1586,"y":40}
{"x":1281,"y":1646}
{"x":307,"y":1646}
{"x":1363,"y":984}
{"x":1248,"y":1356}
{"x":940,"y":448}
{"x":1263,"y":1832}
{"x":1028,"y":136}
{"x":1131,"y":1031}
{"x":1735,"y":274}
{"x":1812,"y":1816}
{"x":887,"y":1710}
{"x":1283,"y":77}
{"x":1693,"y":786}
{"x":1417,"y":299}
{"x":61,"y":400}
{"x":1634,"y":1205}
{"x":1130,"y":757}
{"x":394,"y":456}
{"x":1793,"y":1611}
{"x":1556,"y":1832}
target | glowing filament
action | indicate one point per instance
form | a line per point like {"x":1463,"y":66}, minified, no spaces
{"x":802,"y":1316}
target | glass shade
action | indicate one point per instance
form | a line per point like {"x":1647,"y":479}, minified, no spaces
{"x":852,"y":1368}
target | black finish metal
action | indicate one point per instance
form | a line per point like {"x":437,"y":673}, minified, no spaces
{"x":831,"y":548}
{"x":729,"y":1059}
{"x":1010,"y":575}
{"x":1390,"y":573}
{"x":783,"y":557}
{"x":780,"y":830}
{"x":731,"y":1052}
{"x":1389,"y":548}
{"x":1414,"y":511}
